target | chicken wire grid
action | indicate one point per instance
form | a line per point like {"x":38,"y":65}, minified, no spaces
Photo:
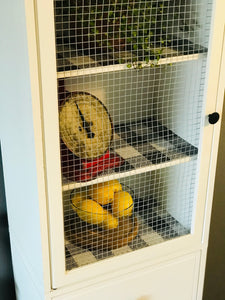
{"x":157,"y":218}
{"x":131,"y":130}
{"x":125,"y":121}
{"x":151,"y":120}
{"x":108,"y":32}
{"x":147,"y":236}
{"x":139,"y":145}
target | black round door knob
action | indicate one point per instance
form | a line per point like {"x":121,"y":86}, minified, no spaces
{"x":213,"y":118}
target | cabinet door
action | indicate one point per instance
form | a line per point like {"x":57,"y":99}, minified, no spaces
{"x":125,"y":130}
{"x":173,"y":280}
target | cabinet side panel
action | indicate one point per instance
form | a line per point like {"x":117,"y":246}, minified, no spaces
{"x":26,"y":287}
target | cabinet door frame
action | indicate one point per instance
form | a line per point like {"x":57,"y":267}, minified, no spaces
{"x":48,"y":153}
{"x":135,"y":289}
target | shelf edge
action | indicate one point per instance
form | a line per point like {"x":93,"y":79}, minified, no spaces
{"x":121,"y":67}
{"x":153,"y":167}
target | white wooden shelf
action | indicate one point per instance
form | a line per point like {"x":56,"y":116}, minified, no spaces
{"x":156,"y":149}
{"x":106,"y":177}
{"x":120,"y":67}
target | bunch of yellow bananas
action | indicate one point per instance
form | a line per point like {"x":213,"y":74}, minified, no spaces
{"x":89,"y":208}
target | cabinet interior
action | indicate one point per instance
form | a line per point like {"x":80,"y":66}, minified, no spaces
{"x":156,"y":110}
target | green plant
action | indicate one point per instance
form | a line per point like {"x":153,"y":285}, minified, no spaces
{"x":141,"y":27}
{"x":136,"y":26}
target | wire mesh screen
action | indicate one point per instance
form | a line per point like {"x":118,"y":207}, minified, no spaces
{"x":131,"y":85}
{"x":137,"y":32}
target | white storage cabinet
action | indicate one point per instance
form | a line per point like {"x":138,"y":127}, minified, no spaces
{"x":127,"y":92}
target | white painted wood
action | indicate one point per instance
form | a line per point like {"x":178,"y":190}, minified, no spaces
{"x":181,"y":196}
{"x":175,"y":279}
{"x":180,"y":104}
{"x":26,"y":285}
{"x":130,"y":262}
{"x":121,"y":67}
{"x":121,"y":100}
{"x":38,"y":136}
{"x":210,"y":136}
{"x":113,"y":272}
{"x":96,"y":271}
{"x":48,"y":102}
{"x":216,"y":56}
{"x":69,"y":186}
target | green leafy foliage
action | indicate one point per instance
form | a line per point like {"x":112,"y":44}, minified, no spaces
{"x":141,"y":27}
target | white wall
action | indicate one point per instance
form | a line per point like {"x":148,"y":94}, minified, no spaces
{"x":18,"y":152}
